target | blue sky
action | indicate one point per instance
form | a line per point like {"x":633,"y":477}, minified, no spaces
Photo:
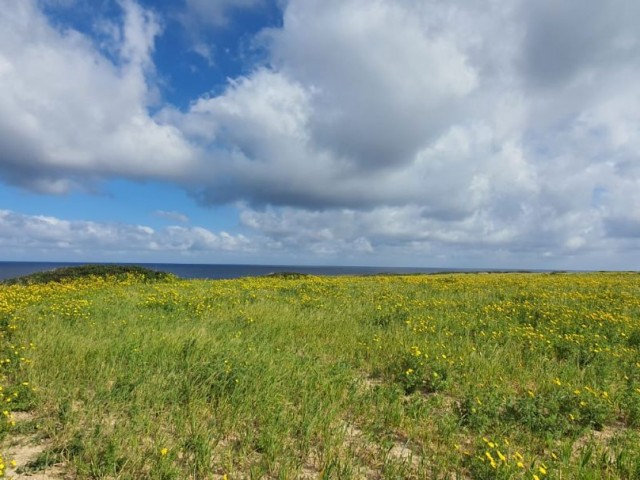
{"x":403,"y":133}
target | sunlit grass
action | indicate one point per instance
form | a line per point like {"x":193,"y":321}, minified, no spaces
{"x":474,"y":375}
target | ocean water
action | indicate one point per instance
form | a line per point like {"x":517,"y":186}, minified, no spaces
{"x":17,"y":269}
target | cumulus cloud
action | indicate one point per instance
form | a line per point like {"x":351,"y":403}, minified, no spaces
{"x":419,"y":125}
{"x":414,"y":228}
{"x":354,"y":93}
{"x":69,"y":115}
{"x":85,"y":238}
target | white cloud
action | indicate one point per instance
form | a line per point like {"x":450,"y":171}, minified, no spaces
{"x":60,"y":237}
{"x":69,"y":115}
{"x":139,"y":32}
{"x":410,"y":235}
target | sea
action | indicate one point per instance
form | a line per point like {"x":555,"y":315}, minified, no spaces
{"x":225,"y":271}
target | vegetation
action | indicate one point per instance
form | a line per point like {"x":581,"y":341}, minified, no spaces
{"x":82,"y":271}
{"x":450,"y":376}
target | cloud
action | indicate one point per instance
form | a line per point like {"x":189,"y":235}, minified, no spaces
{"x":371,"y":125}
{"x":564,"y":40}
{"x":38,"y":233}
{"x":383,"y":84}
{"x":357,"y":109}
{"x":414,"y":226}
{"x":201,"y":17}
{"x":354,"y":95}
{"x":410,"y":236}
{"x":172,"y":216}
{"x":69,"y":115}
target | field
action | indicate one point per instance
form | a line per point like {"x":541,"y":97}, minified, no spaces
{"x":479,"y":376}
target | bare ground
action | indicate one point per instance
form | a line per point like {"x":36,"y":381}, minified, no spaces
{"x":24,"y":449}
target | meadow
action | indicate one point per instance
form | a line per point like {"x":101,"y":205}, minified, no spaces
{"x":469,"y":376}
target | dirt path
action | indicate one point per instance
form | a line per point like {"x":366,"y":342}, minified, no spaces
{"x":20,"y":450}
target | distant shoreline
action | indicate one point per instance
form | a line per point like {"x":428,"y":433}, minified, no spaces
{"x":11,"y":269}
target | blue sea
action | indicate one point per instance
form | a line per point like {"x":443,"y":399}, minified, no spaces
{"x":222,"y":271}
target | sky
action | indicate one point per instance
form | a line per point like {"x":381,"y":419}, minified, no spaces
{"x":422,"y":133}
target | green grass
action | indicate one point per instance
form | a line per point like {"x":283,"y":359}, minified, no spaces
{"x":468,"y":376}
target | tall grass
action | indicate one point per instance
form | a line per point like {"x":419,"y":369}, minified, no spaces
{"x":474,"y":376}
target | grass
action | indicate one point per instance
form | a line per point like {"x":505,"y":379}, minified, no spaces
{"x":479,"y":376}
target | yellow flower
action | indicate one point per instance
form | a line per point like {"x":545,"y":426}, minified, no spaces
{"x":491,"y":460}
{"x":164,"y":451}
